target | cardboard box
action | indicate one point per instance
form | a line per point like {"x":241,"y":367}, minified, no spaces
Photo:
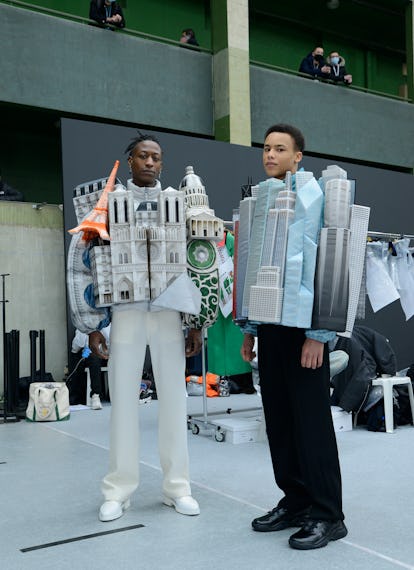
{"x":342,"y":420}
{"x":241,"y":430}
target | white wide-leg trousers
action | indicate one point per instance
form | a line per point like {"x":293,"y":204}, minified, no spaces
{"x":131,"y":331}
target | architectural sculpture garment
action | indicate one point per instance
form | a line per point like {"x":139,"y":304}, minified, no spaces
{"x":294,"y":265}
{"x":224,"y":337}
{"x":157,"y":249}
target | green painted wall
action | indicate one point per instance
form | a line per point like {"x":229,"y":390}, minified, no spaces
{"x":280,"y":45}
{"x":281,"y":34}
{"x":164,"y":18}
{"x":388,"y":74}
{"x":219,"y":25}
{"x":167,"y":18}
{"x":285,"y":47}
{"x":382,"y":26}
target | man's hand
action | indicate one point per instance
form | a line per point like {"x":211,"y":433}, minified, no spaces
{"x":97,"y":344}
{"x":326,"y":69}
{"x":246,"y":350}
{"x":312,"y":354}
{"x":115,"y":19}
{"x":193,"y":342}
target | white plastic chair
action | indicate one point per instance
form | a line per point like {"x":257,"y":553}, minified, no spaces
{"x":388,"y":382}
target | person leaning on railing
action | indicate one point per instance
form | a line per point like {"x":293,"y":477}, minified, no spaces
{"x":338,"y":72}
{"x":314,"y":64}
{"x":107,"y":13}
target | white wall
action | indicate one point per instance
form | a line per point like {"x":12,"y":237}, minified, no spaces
{"x":31,"y":250}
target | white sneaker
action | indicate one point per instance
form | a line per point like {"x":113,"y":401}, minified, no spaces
{"x":144,"y":398}
{"x":111,"y":510}
{"x":185,"y":505}
{"x":96,"y":402}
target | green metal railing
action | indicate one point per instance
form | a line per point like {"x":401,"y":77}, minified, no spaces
{"x":288,"y":71}
{"x":136,"y":33}
{"x":87,"y":21}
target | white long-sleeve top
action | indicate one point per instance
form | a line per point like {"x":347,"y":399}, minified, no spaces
{"x":80,"y":340}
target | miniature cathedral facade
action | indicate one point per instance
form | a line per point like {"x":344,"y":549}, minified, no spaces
{"x":148,"y":247}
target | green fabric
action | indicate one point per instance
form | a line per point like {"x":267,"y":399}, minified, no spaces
{"x":225,"y":339}
{"x":230,"y":243}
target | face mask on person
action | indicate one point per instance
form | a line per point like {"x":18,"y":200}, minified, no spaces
{"x":318,"y":57}
{"x":335,"y":60}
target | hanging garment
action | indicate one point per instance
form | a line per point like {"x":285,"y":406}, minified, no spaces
{"x":224,"y":337}
{"x":389,"y":256}
{"x":226,"y":270}
{"x":405,"y":271}
{"x":380,"y":287}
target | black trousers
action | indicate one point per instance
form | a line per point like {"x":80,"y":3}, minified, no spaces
{"x":299,"y":425}
{"x":77,"y":385}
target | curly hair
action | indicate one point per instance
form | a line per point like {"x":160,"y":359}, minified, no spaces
{"x":295,"y":133}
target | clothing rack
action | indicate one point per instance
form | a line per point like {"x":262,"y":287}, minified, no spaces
{"x":229,"y":224}
{"x":199,"y":423}
{"x":389,"y":235}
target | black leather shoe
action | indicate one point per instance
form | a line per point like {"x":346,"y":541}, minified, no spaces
{"x":278,"y":519}
{"x":316,"y":534}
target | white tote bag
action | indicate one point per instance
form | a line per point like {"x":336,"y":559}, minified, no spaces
{"x":48,"y":402}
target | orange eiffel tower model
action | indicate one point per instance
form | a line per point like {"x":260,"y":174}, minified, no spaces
{"x":96,"y":223}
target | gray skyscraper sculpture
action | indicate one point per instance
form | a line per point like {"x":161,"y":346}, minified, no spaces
{"x":264,"y":228}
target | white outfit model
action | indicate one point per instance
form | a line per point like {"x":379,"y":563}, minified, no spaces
{"x":141,"y":273}
{"x":131,"y":331}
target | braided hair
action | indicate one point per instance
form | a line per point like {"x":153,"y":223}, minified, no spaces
{"x":139,"y":138}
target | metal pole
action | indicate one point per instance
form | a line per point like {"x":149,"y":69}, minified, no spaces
{"x":42,"y":356}
{"x":16,"y":368}
{"x":5,"y":378}
{"x":33,"y":354}
{"x":203,"y":372}
{"x":389,"y":235}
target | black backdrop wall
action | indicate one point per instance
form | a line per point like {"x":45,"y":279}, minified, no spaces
{"x":90,"y":149}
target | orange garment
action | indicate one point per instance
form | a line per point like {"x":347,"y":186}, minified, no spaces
{"x":212,"y":380}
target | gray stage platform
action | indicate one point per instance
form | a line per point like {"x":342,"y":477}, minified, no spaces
{"x":49,"y":488}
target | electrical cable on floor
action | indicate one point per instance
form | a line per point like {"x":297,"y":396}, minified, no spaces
{"x":85,"y":354}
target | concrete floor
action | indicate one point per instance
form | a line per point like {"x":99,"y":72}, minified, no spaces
{"x":50,"y":494}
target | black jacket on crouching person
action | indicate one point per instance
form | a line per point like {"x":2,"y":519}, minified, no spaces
{"x":9,"y":193}
{"x":370,"y":354}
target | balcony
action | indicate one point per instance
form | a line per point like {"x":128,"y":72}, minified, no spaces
{"x":79,"y":70}
{"x":337,"y":120}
